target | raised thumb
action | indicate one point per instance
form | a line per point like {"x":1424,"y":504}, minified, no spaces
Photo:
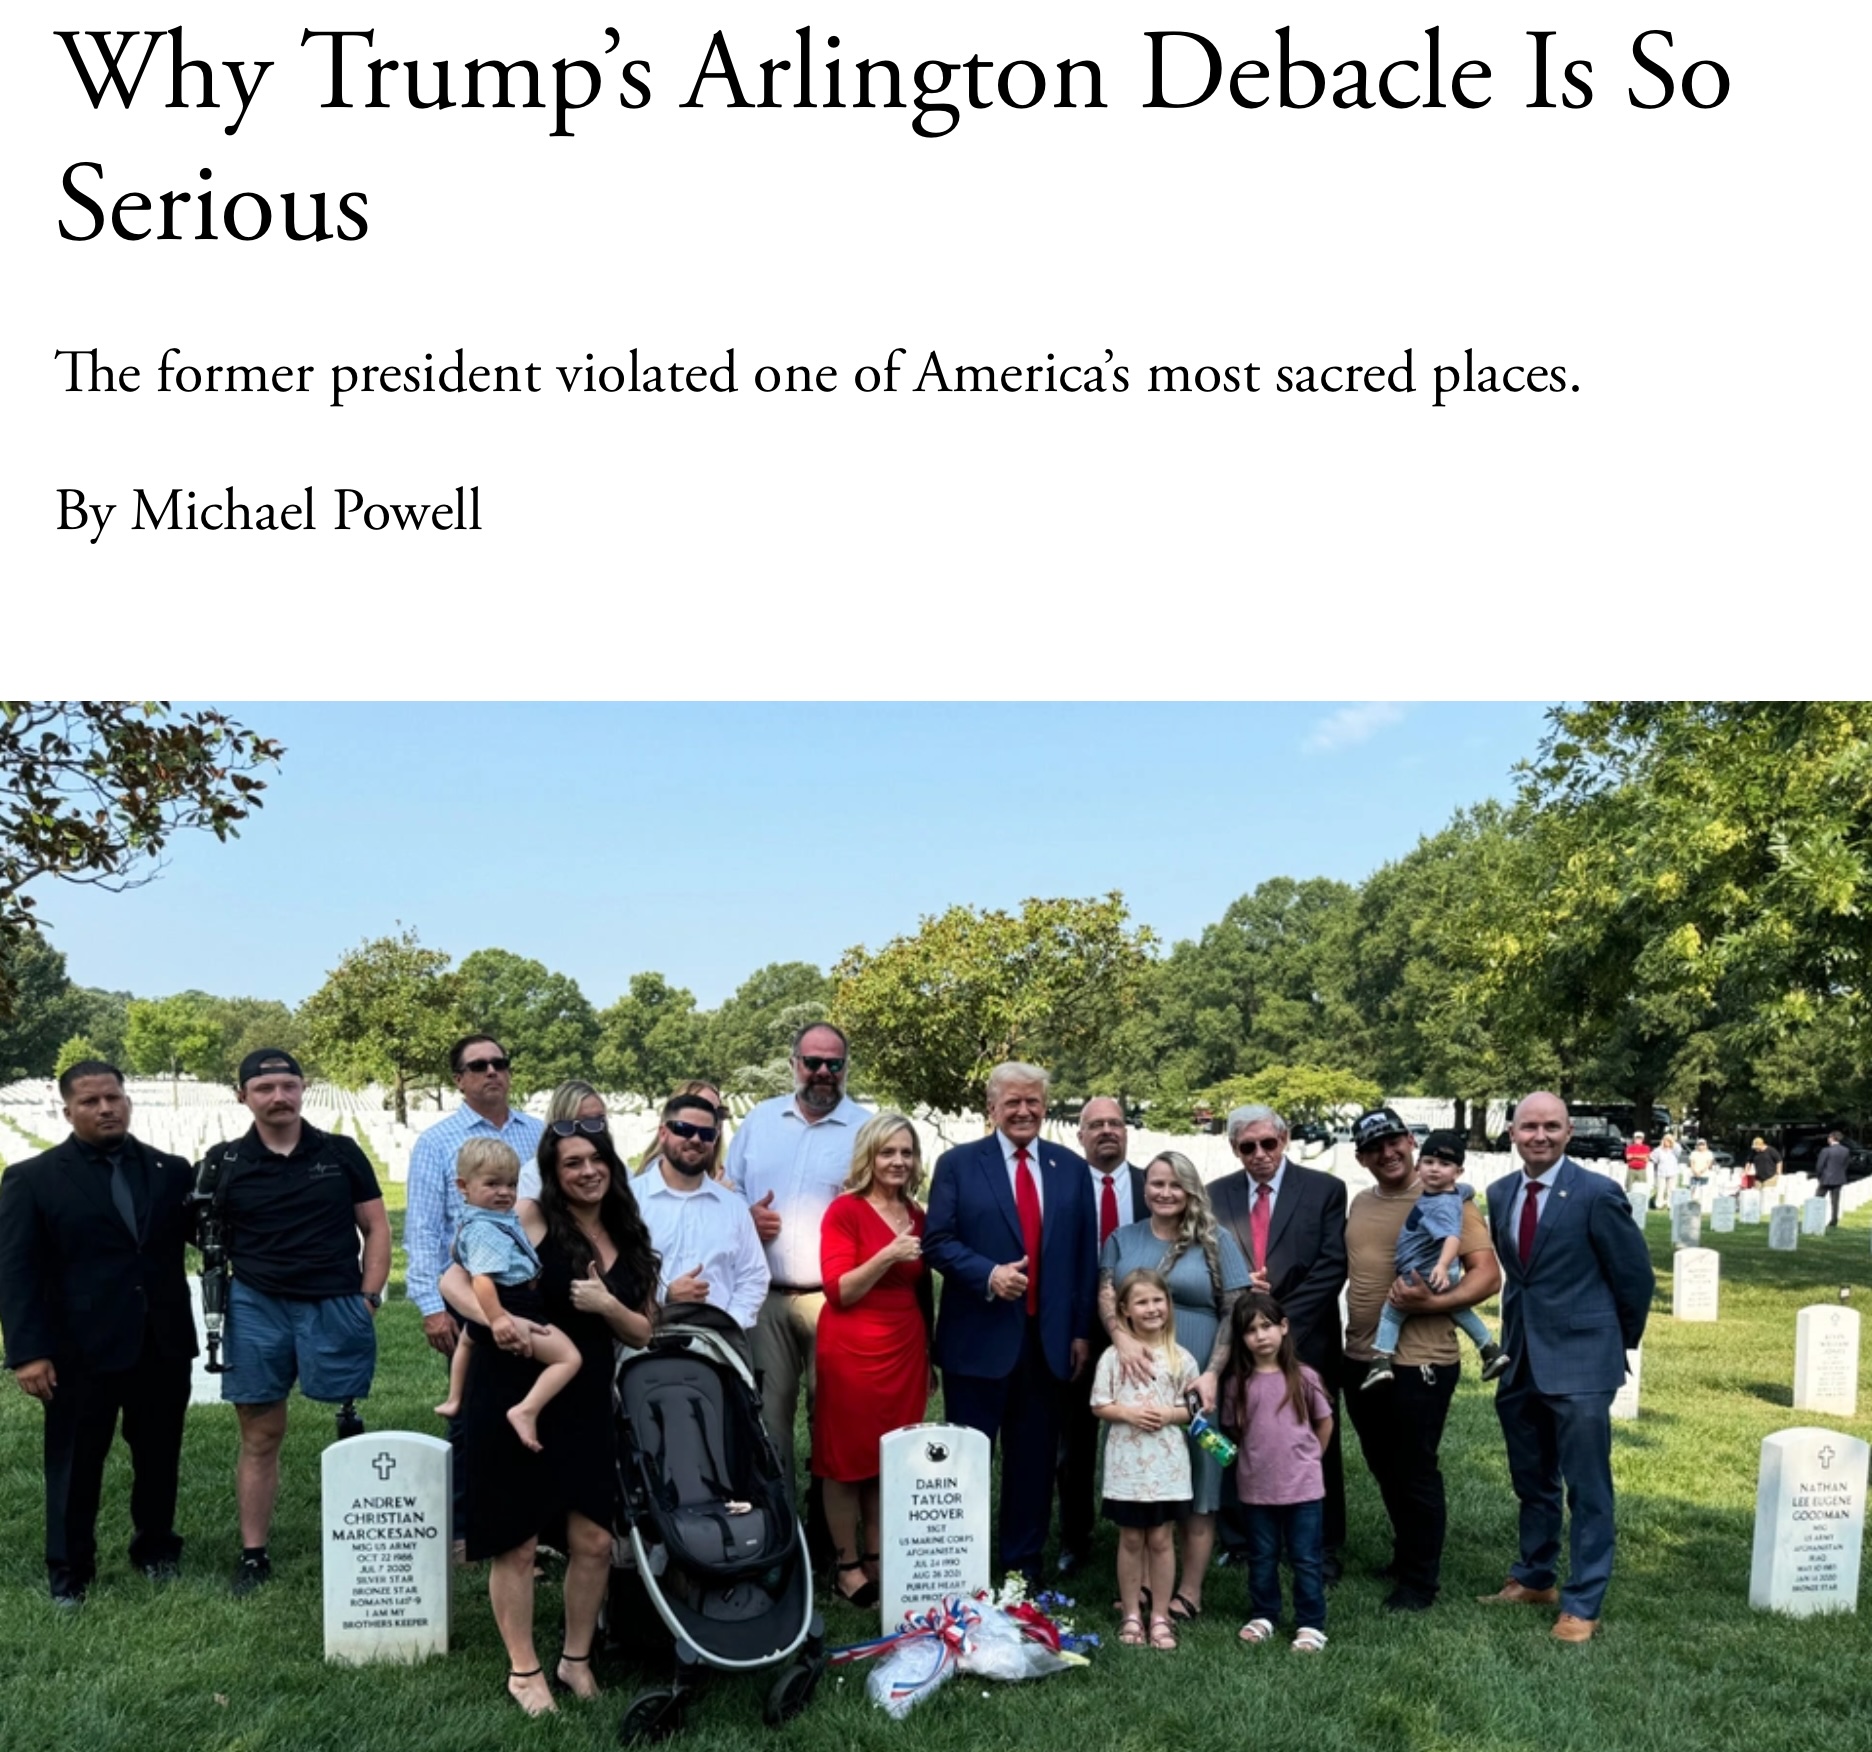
{"x":765,"y":1200}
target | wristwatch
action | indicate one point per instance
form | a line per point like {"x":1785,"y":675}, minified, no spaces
{"x":374,"y":1297}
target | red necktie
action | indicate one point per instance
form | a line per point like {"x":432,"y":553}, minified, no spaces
{"x":1258,"y":1226}
{"x":1530,"y":1218}
{"x":1027,"y":1203}
{"x":1108,"y":1211}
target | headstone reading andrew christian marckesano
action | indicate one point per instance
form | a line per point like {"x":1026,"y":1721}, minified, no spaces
{"x":1625,"y":1400}
{"x":1809,"y":1522}
{"x":1826,"y":1360}
{"x":1783,"y":1229}
{"x":1723,"y":1214}
{"x":1694,"y":1277}
{"x":1813,"y":1216}
{"x":933,"y":1490}
{"x":1748,"y":1204}
{"x":386,"y":1546}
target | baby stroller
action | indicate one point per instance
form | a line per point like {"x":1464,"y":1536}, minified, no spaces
{"x":717,"y":1544}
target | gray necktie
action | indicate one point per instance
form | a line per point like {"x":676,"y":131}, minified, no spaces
{"x":120,"y":1195}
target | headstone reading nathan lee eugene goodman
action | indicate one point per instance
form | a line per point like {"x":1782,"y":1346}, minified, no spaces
{"x":386,"y":1542}
{"x":1694,"y":1279}
{"x":1783,"y":1229}
{"x":1809,"y":1522}
{"x":934,"y":1503}
{"x":1826,"y":1360}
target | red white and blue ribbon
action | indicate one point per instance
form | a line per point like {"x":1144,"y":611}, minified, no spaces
{"x":943,"y":1630}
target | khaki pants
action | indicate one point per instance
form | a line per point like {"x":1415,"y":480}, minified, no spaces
{"x":783,"y":1352}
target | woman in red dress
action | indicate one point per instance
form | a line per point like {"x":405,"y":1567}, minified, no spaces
{"x":873,"y":1344}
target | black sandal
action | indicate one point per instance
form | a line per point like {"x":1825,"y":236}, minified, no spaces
{"x":865,"y":1597}
{"x":583,"y":1660}
{"x":531,"y":1673}
{"x":1188,"y":1615}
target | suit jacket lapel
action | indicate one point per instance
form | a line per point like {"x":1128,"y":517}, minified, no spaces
{"x":1556,"y":1196}
{"x":1284,"y":1207}
{"x":1001,"y":1183}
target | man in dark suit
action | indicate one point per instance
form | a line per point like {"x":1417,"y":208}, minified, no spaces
{"x":1290,"y":1222}
{"x":1117,"y":1199}
{"x":1012,"y":1228}
{"x":1830,"y":1172}
{"x":1577,"y":1290}
{"x":94,"y":1299}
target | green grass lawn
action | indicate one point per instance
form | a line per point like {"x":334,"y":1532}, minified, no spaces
{"x":1681,"y":1664}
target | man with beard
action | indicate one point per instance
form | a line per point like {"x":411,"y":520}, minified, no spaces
{"x":789,"y":1159}
{"x":94,"y":1299}
{"x":1118,"y":1197}
{"x":700,"y":1229}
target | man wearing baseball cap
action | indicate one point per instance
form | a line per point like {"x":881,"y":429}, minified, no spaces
{"x":294,"y":1202}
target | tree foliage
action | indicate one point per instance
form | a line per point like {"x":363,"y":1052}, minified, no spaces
{"x":75,"y":1052}
{"x":92,"y":790}
{"x":166,"y":1036}
{"x":1300,"y":1094}
{"x":931,"y":1014}
{"x":650,"y":1040}
{"x":754,"y":1029}
{"x":387,"y":1013}
{"x":542,"y":1018}
{"x":48,"y":1008}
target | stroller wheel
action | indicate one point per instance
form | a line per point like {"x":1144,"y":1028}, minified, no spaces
{"x":792,"y":1692}
{"x":650,"y":1715}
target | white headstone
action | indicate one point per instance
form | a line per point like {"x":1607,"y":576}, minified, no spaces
{"x":1826,"y":1360}
{"x":386,"y":1538}
{"x":1640,"y":1207}
{"x":1686,"y":1224}
{"x":1809,"y":1522}
{"x":1694,"y":1276}
{"x":1680,"y":1196}
{"x":1813,"y":1216}
{"x":933,"y":1482}
{"x":1749,"y":1204}
{"x":1783,"y":1229}
{"x":1625,"y":1400}
{"x":1723,"y":1214}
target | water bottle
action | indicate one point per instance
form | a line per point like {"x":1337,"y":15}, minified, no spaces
{"x":1206,"y":1436}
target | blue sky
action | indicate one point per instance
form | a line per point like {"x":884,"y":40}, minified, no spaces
{"x":705,"y":841}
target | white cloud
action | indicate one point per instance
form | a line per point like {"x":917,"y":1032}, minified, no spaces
{"x":1351,"y":725}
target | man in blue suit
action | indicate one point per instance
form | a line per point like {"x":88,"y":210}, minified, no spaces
{"x":1012,"y":1228}
{"x":1577,"y":1286}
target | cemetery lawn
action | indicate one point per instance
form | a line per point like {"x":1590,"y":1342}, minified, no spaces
{"x":1681,"y":1663}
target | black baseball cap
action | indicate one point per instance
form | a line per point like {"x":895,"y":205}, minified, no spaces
{"x":268,"y":1058}
{"x":1377,"y":1125}
{"x":1446,"y":1146}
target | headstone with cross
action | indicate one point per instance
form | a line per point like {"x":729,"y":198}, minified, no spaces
{"x":1695,"y":1277}
{"x":1809,"y":1522}
{"x":934,"y":1504}
{"x":386,"y":1547}
{"x":1826,"y":1360}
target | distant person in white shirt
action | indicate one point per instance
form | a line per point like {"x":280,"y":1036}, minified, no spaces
{"x":790,"y":1158}
{"x":700,"y":1228}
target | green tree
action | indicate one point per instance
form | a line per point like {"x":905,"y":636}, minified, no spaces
{"x":756,"y":1025}
{"x":930,"y":1015}
{"x":102,"y":1016}
{"x":651,"y":1039}
{"x":47,"y":1011}
{"x":75,"y":1051}
{"x":91,"y":790}
{"x":542,"y":1018}
{"x":386,"y":1013}
{"x":1300,"y":1094}
{"x":248,"y":1024}
{"x":166,"y":1036}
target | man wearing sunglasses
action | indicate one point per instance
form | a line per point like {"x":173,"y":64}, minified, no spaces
{"x":789,"y":1158}
{"x":700,"y":1227}
{"x":1290,"y":1222}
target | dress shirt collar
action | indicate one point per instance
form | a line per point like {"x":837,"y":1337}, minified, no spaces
{"x":1008,"y":1147}
{"x":848,"y":1112}
{"x":709,"y":1187}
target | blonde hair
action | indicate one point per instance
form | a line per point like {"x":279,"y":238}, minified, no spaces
{"x":483,"y":1158}
{"x":1197,"y":1227}
{"x":569,"y":1097}
{"x":1144,"y":1278}
{"x":872,"y":1136}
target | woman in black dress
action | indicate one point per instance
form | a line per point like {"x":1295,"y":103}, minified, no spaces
{"x":598,"y":1277}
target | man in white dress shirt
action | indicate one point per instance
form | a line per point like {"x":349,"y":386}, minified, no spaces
{"x":789,"y":1158}
{"x":699,"y":1227}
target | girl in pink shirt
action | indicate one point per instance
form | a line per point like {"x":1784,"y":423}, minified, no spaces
{"x":1274,"y":1405}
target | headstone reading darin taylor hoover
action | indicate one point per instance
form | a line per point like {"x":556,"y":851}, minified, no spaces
{"x":934,"y":1504}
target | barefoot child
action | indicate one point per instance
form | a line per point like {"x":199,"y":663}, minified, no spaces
{"x":1277,"y":1409}
{"x":1147,"y":1464}
{"x":1427,"y":1246}
{"x":493,"y":1249}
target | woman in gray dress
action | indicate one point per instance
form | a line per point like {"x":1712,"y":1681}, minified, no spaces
{"x":1206,"y":1272}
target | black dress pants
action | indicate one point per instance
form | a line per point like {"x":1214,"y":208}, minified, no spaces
{"x":1400,"y":1429}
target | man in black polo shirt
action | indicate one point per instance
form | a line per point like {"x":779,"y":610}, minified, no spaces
{"x":294,"y":1201}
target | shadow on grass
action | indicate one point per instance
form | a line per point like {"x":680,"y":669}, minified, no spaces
{"x":1770,"y":1393}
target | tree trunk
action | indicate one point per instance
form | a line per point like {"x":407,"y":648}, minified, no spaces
{"x":1462,"y":1115}
{"x":402,"y":1103}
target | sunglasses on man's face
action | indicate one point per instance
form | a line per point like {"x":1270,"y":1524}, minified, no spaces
{"x":834,"y":1065}
{"x":565,"y":1128}
{"x":481,"y":1067}
{"x":1266,"y":1146}
{"x":681,"y":1128}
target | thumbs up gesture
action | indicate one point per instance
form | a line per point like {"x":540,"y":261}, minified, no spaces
{"x":1009,"y":1282}
{"x":766,"y":1218}
{"x":589,"y":1294}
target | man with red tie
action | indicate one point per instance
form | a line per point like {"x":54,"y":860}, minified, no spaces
{"x":1118,"y":1198}
{"x":1577,"y":1290}
{"x":1012,"y":1227}
{"x":1290,"y":1222}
